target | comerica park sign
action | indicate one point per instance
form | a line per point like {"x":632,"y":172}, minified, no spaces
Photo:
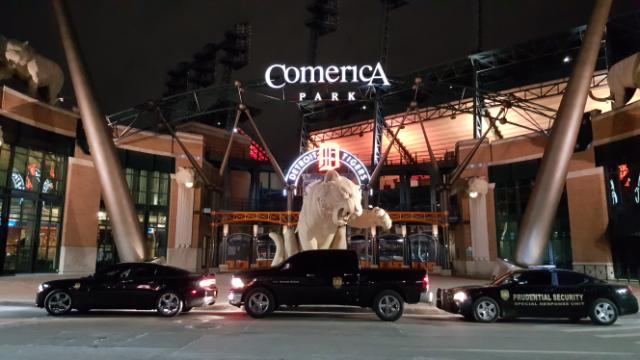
{"x":278,"y":76}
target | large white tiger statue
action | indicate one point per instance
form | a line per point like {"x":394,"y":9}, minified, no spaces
{"x":19,"y":59}
{"x":623,"y":79}
{"x":328,"y":206}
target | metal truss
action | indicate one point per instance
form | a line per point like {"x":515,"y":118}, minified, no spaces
{"x":400,"y":147}
{"x":520,"y":100}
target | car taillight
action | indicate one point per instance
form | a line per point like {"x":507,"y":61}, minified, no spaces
{"x":425,"y":282}
{"x":207,"y":284}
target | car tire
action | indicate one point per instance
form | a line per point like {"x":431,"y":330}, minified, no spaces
{"x":186,"y":309}
{"x":58,"y":302}
{"x":486,"y":310}
{"x":259,"y":302}
{"x":603,"y":312}
{"x":388,"y":305}
{"x":168,"y":304}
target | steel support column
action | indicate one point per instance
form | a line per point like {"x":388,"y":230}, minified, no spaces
{"x":478,"y":103}
{"x":551,"y":178}
{"x":378,"y":128}
{"x":127,"y":233}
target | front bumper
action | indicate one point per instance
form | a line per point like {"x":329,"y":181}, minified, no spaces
{"x":40,"y":299}
{"x":235,"y":298}
{"x":444,"y":301}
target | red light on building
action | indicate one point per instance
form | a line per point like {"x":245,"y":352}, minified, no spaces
{"x":329,"y":157}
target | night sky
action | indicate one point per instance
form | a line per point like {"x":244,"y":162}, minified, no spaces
{"x":130,"y":44}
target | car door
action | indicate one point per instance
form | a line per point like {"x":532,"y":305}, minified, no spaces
{"x":336,"y":280}
{"x":293,"y":280}
{"x":532,"y":293}
{"x":141,"y":287}
{"x":569,"y":294}
{"x":108,"y":288}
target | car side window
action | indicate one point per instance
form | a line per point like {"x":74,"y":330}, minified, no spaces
{"x":533,"y":278}
{"x":143,"y":272}
{"x":114,"y":273}
{"x":302,"y":263}
{"x":305,"y":263}
{"x":566,"y":278}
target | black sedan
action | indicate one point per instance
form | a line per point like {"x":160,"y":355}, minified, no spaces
{"x":544,"y":292}
{"x":140,"y":286}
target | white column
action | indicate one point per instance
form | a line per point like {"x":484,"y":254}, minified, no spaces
{"x":184,"y":217}
{"x":479,"y":227}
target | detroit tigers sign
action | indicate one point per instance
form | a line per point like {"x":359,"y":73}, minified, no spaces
{"x":327,"y":156}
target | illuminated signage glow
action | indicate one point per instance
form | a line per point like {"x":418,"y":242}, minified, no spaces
{"x":329,"y":157}
{"x":278,"y":76}
{"x":300,"y":165}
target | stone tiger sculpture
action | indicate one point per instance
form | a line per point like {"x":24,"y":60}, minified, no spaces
{"x":19,"y":59}
{"x":328,"y":206}
{"x":623,"y":79}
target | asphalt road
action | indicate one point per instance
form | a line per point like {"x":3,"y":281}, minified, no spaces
{"x":328,"y":333}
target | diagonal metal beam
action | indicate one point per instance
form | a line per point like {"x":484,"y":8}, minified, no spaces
{"x":535,"y":227}
{"x":127,"y":233}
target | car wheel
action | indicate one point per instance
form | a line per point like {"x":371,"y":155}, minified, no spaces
{"x":486,"y":310}
{"x":58,"y":302}
{"x":169,"y":304}
{"x":186,"y":309}
{"x":603,"y":312}
{"x":388,"y":305}
{"x":259,"y":303}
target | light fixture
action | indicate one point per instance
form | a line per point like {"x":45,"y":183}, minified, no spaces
{"x":235,"y":130}
{"x":186,"y":176}
{"x":477,"y":186}
{"x":364,"y":107}
{"x":567,"y":59}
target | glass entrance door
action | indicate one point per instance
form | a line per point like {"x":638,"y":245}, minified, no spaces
{"x":20,"y":235}
{"x":48,"y":236}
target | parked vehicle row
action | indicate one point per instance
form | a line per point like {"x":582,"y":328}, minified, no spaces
{"x":333,"y":277}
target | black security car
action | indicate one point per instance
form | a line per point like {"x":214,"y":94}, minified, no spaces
{"x":327,"y":277}
{"x":545,"y":292}
{"x":140,"y":286}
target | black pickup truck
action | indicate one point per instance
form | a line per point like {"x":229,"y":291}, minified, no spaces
{"x":327,"y":277}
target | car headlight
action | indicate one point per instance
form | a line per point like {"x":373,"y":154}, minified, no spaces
{"x":460,"y":296}
{"x":237,"y":283}
{"x":41,"y":287}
